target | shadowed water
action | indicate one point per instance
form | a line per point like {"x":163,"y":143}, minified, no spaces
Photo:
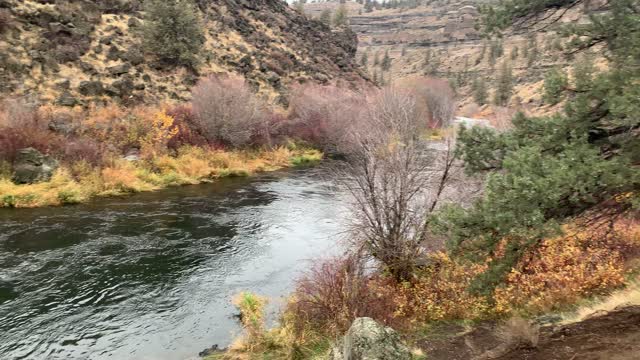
{"x":151,"y":276}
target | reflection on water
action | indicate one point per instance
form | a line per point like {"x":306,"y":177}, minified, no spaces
{"x":151,"y":276}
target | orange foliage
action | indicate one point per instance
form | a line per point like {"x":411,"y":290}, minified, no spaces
{"x":440,"y":292}
{"x":583,"y":262}
{"x":162,"y":129}
{"x":334,"y":293}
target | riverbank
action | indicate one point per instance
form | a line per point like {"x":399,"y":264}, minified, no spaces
{"x":567,"y":279}
{"x":80,"y":182}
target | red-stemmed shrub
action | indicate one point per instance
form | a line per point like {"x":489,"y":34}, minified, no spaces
{"x":189,"y":132}
{"x":21,"y":127}
{"x":436,"y":96}
{"x":323,"y":115}
{"x":84,"y":149}
{"x":335,"y":292}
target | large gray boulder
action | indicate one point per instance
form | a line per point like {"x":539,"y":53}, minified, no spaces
{"x":368,"y":340}
{"x":32,"y":166}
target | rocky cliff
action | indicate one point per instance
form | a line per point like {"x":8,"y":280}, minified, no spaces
{"x":439,"y":38}
{"x":78,"y":51}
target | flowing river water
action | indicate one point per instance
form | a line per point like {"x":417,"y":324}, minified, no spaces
{"x":152,"y":276}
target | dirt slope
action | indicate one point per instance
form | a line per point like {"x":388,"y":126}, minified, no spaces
{"x":603,"y":336}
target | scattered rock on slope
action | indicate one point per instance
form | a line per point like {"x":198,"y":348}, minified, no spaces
{"x":83,"y":43}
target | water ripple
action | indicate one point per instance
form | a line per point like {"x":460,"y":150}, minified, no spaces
{"x":151,"y":276}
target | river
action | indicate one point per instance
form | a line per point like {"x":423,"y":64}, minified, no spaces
{"x":152,"y":276}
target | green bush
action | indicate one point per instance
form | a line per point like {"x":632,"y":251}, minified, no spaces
{"x":555,"y":83}
{"x":173,"y":32}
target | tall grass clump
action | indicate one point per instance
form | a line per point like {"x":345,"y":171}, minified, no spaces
{"x":252,"y":316}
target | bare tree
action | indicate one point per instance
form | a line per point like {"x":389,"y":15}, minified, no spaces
{"x":227,"y":110}
{"x":395,"y":181}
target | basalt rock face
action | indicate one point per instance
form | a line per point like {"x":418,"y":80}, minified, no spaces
{"x":82,"y":44}
{"x":32,"y":166}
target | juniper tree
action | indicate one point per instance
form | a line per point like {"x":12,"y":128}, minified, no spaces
{"x":580,"y":164}
{"x":504,"y":85}
{"x":364,"y":60}
{"x":532,"y":54}
{"x":172,"y":31}
{"x":341,"y":18}
{"x":479,"y":88}
{"x":325,"y":17}
{"x":386,"y":61}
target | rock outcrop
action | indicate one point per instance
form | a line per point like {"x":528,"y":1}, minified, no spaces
{"x":32,"y":166}
{"x":75,"y":52}
{"x":368,"y":340}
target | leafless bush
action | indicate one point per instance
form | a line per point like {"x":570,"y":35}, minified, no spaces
{"x":323,"y":115}
{"x":335,"y":292}
{"x":226,"y":110}
{"x":394,"y":180}
{"x":19,"y":112}
{"x":437,"y":97}
{"x":21,"y":126}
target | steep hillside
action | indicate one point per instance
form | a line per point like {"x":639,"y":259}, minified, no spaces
{"x":78,"y":51}
{"x":439,"y":38}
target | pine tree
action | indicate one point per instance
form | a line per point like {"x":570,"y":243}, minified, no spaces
{"x":579,"y":164}
{"x":364,"y":60}
{"x":504,"y":85}
{"x":172,"y":31}
{"x":386,"y":61}
{"x":555,"y":83}
{"x":479,"y":88}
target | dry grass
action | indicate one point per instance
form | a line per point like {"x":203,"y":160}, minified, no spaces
{"x":62,"y":189}
{"x":192,"y":165}
{"x":619,"y":299}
